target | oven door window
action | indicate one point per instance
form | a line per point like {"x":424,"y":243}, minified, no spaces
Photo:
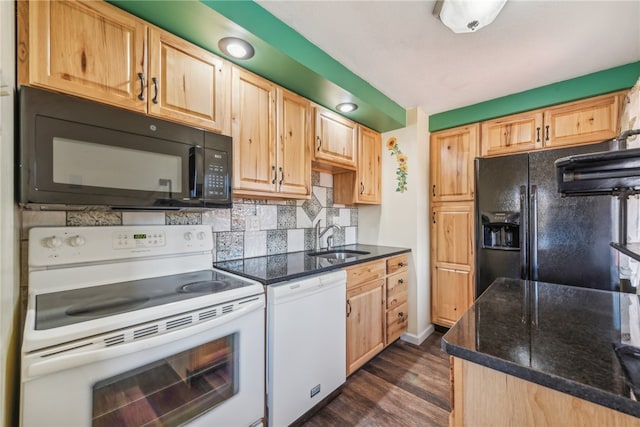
{"x":170,"y":391}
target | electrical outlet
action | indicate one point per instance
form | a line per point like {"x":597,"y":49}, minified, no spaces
{"x":252,"y":223}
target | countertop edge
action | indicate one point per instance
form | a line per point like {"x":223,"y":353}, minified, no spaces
{"x":581,"y":391}
{"x":359,"y":260}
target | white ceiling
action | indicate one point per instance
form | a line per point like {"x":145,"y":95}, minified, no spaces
{"x":405,"y":52}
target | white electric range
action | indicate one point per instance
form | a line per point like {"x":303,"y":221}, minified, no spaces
{"x":130,"y":325}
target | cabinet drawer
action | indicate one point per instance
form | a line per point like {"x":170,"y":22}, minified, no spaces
{"x":397,"y":263}
{"x":397,"y":320}
{"x":397,"y":285}
{"x":365,"y":272}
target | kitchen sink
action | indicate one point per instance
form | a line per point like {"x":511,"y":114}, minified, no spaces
{"x":338,"y":254}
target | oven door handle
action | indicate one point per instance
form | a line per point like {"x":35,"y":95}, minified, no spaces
{"x":48,"y":361}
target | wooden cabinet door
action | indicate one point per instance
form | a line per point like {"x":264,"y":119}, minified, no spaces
{"x":369,"y":166}
{"x":89,"y":49}
{"x":452,"y":234}
{"x":366,"y":322}
{"x":294,"y":151}
{"x":512,"y":134}
{"x":253,"y":132}
{"x":452,"y":155}
{"x":582,"y":122}
{"x":187,"y":83}
{"x":452,"y":261}
{"x":336,"y":139}
{"x":450,"y":295}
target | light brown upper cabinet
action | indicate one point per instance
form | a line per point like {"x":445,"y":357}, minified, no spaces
{"x":452,"y":153}
{"x":362,"y":185}
{"x":582,"y":122}
{"x":294,"y":133}
{"x":187,"y":84}
{"x":97,"y":51}
{"x":270,"y":129}
{"x":335,"y":140}
{"x":90,"y":49}
{"x":575,"y":123}
{"x":512,"y":134}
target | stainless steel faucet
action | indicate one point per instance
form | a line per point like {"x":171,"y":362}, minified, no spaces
{"x":319,"y":235}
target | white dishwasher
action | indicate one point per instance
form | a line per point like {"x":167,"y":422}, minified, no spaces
{"x":306,"y":344}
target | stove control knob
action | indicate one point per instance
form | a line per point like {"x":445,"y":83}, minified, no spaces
{"x":201,"y":235}
{"x":76,"y":241}
{"x":188,"y":235}
{"x":52,"y":242}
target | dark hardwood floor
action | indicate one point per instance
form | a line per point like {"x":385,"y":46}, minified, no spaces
{"x":405,"y":385}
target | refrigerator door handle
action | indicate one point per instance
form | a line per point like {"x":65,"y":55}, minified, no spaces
{"x":524,"y":268}
{"x":533,"y":274}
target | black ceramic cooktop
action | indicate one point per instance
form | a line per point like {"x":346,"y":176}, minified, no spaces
{"x":78,"y":305}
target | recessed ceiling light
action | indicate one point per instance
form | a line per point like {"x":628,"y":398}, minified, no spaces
{"x":347,"y":107}
{"x":236,"y":48}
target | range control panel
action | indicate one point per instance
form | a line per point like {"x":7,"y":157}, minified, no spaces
{"x":54,"y":246}
{"x":138,"y":239}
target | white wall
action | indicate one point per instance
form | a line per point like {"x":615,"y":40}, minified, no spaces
{"x":402,"y":218}
{"x":9,"y":238}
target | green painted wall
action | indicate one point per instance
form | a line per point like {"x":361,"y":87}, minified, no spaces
{"x":611,"y":80}
{"x":282,"y":56}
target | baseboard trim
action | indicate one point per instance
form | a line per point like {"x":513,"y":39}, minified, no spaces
{"x":418,"y":339}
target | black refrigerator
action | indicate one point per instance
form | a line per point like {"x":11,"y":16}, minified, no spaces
{"x":525,"y":229}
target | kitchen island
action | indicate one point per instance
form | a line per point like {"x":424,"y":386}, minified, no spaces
{"x":534,"y":353}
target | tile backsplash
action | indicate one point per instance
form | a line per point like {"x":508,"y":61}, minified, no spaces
{"x":250,"y":228}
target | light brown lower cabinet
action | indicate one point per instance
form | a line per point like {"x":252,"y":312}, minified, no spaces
{"x":377,"y":309}
{"x":452,"y":267}
{"x":365,"y":323}
{"x":486,"y":397}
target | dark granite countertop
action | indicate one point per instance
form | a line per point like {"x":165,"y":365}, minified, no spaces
{"x":277,"y":268}
{"x":558,"y":336}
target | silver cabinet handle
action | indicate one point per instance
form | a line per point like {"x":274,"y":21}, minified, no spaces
{"x":319,"y":142}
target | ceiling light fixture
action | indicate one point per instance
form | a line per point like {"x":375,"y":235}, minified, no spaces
{"x":236,"y":48}
{"x":467,"y":16}
{"x":347,"y":107}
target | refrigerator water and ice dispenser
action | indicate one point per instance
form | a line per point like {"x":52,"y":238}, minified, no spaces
{"x":501,"y":230}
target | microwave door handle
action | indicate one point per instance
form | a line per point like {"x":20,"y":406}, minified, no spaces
{"x":196,"y":163}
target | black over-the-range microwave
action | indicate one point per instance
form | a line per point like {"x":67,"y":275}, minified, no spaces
{"x":78,"y":153}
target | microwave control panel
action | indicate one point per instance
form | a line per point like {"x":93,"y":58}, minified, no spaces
{"x":216,"y":175}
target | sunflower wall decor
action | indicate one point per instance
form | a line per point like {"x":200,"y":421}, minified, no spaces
{"x":403,"y":169}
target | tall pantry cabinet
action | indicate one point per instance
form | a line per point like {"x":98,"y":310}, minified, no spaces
{"x":452,"y":154}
